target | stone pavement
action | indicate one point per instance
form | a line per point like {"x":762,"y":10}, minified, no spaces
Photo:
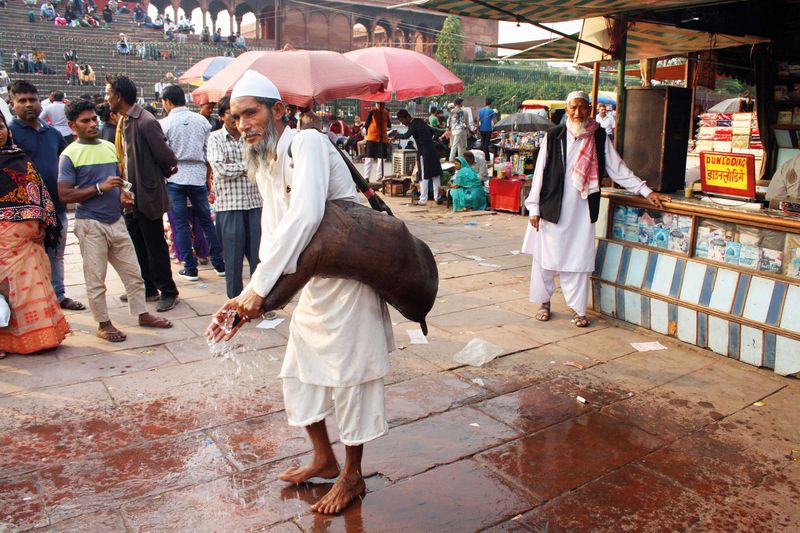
{"x":154,"y":434}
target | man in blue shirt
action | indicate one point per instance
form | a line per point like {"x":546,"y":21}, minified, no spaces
{"x":43,"y":144}
{"x":486,"y":117}
{"x":88,"y":176}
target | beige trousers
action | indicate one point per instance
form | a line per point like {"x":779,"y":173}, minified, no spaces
{"x":574,"y":285}
{"x":102,"y":244}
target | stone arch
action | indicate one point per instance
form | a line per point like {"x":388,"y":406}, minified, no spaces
{"x":317,"y":30}
{"x":294,"y":27}
{"x":361,"y":34}
{"x":196,"y":18}
{"x":399,"y":38}
{"x":239,"y":13}
{"x":382,"y":34}
{"x":419,"y":42}
{"x":214,"y":9}
{"x":340,"y":35}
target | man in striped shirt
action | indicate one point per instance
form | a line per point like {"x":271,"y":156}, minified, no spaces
{"x":238,"y":203}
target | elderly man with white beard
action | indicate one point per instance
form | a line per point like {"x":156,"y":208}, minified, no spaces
{"x":340,"y":333}
{"x":564,"y":203}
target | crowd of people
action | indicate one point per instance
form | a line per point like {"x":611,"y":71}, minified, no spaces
{"x":124,"y":169}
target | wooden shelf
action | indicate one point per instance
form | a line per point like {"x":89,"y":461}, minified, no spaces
{"x":786,"y":127}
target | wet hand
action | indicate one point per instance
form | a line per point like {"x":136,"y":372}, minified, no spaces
{"x":126,"y":199}
{"x":535,"y":222}
{"x":217,"y":330}
{"x":655,"y":199}
{"x":248,"y":304}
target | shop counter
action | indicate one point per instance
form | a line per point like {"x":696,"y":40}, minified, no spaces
{"x":717,"y":277}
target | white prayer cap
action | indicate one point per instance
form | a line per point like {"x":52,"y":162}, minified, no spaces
{"x":578,"y":94}
{"x":254,"y":84}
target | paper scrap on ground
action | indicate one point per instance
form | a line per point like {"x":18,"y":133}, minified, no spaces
{"x":514,"y":252}
{"x":416,"y":336}
{"x":270,"y":324}
{"x":580,"y":399}
{"x":490,"y":265}
{"x":575,"y":364}
{"x":479,"y":382}
{"x":648,"y":346}
{"x":475,"y":425}
{"x":478,"y":352}
{"x":475,"y":257}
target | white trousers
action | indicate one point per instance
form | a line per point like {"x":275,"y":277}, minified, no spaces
{"x":423,"y":189}
{"x":574,"y":285}
{"x":368,"y":163}
{"x":360,"y":413}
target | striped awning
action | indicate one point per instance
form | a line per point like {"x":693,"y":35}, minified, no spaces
{"x":646,"y":40}
{"x":550,"y":10}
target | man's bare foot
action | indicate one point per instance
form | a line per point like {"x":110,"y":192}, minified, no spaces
{"x":300,"y":474}
{"x":344,"y":491}
{"x":107,"y":331}
{"x":146,"y":320}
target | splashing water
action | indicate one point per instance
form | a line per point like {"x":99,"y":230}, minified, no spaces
{"x":223,"y":348}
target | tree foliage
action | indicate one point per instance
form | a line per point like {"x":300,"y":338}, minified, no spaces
{"x":449,"y":42}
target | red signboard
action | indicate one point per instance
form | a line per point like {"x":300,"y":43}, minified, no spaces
{"x":728,"y":173}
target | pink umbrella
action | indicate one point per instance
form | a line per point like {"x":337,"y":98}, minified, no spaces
{"x":410,"y":73}
{"x":302,"y":76}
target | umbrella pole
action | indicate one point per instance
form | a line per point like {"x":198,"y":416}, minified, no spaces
{"x":595,"y":86}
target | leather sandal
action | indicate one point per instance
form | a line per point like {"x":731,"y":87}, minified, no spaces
{"x":543,"y":314}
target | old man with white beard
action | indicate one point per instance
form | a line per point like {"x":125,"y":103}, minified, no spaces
{"x":340,"y":333}
{"x":564,"y":203}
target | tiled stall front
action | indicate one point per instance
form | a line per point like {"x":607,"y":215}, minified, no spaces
{"x":743,"y":315}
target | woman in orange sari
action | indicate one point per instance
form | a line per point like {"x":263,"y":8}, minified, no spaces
{"x":27,"y":221}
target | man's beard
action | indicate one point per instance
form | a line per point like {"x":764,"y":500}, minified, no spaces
{"x":264,"y":151}
{"x":576,"y":128}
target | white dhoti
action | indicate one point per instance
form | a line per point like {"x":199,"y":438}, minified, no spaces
{"x":574,"y":285}
{"x":359,"y":409}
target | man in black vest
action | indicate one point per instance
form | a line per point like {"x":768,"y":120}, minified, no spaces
{"x":564,"y":203}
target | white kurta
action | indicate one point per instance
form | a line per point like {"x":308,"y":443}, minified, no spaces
{"x":569,"y":245}
{"x":340,"y":334}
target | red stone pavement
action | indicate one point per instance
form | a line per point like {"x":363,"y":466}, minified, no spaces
{"x":154,"y":434}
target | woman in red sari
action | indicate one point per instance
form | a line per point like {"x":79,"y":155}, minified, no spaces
{"x":27,"y":221}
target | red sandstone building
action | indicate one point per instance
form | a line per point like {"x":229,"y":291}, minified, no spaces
{"x":341,"y":26}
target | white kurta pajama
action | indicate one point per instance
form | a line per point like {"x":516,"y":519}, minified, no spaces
{"x":340,"y":334}
{"x":567,"y":248}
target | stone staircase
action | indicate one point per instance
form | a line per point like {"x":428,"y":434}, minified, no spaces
{"x":97,"y":47}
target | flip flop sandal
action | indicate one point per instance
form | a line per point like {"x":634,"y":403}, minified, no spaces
{"x":580,"y":321}
{"x":543,"y":314}
{"x":111,"y":336}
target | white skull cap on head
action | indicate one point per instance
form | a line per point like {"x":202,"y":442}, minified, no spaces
{"x":254,"y":84}
{"x":578,"y":94}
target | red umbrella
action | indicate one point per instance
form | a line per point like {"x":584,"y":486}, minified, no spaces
{"x":410,"y":73}
{"x":302,"y":76}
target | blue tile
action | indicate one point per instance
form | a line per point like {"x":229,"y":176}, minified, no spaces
{"x":596,"y":295}
{"x":645,"y":312}
{"x":751,"y":346}
{"x":677,"y":278}
{"x":664,"y":274}
{"x":702,"y":330}
{"x":620,"y":298}
{"x":599,"y":257}
{"x":650,"y":272}
{"x":607,"y":299}
{"x":775,"y":305}
{"x":672,"y":313}
{"x":790,"y":318}
{"x":759,"y":297}
{"x":718,"y":334}
{"x":636,"y":268}
{"x":733,"y":340}
{"x":611,"y":262}
{"x":741,"y":294}
{"x":687,"y":325}
{"x":769,"y":350}
{"x":623,"y":265}
{"x":633,"y":307}
{"x":708,"y":286}
{"x":659,"y":319}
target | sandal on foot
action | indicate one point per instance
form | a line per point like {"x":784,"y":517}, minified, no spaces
{"x":543,"y":314}
{"x":158,"y":322}
{"x":580,"y":321}
{"x":111,"y":336}
{"x":71,"y":305}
